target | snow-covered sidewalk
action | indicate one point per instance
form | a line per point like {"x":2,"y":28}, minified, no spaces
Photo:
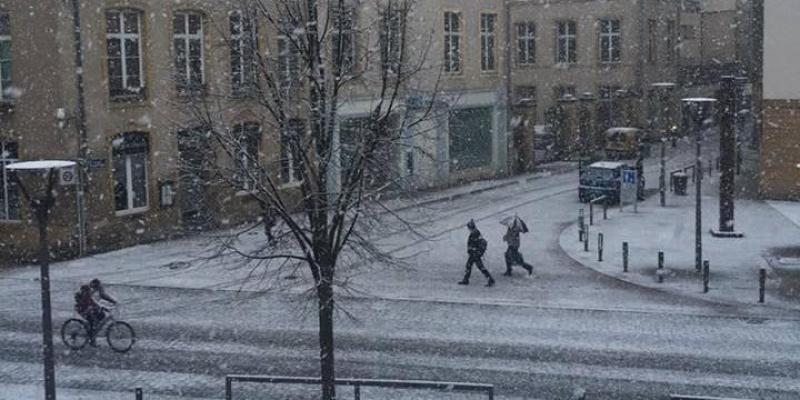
{"x":734,"y":262}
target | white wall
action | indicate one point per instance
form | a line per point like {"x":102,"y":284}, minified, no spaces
{"x":781,"y":49}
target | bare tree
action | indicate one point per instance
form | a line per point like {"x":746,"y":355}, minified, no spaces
{"x":318,"y":56}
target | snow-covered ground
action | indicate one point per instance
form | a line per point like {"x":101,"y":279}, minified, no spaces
{"x":789,"y":209}
{"x":734,"y":262}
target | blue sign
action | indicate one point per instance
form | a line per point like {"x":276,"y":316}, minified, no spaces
{"x":629,"y":177}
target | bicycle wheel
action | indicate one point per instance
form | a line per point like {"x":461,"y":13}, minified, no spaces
{"x":75,"y":333}
{"x":120,"y":336}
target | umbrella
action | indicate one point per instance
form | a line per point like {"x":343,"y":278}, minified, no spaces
{"x":515,"y":222}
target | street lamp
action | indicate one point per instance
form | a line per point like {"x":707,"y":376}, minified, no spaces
{"x":699,"y":109}
{"x":41,"y":206}
{"x":663,"y":92}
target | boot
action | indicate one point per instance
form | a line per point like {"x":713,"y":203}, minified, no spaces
{"x":507,"y":273}
{"x":490,"y":283}
{"x":463,"y":282}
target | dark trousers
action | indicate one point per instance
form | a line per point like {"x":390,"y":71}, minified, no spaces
{"x":514,"y":257}
{"x":476,"y":260}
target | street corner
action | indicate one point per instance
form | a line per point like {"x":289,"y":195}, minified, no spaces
{"x":654,"y":262}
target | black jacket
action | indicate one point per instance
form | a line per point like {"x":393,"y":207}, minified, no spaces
{"x":474,"y":246}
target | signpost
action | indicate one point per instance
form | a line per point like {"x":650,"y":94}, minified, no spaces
{"x":628,"y":189}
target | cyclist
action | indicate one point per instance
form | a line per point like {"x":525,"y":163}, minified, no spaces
{"x":87,"y":305}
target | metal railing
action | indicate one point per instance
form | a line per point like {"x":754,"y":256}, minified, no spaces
{"x":357,"y":384}
{"x":688,"y":397}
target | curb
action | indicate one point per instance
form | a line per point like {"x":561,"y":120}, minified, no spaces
{"x":664,"y":290}
{"x":489,"y":188}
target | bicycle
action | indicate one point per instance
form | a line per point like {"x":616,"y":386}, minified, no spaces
{"x":119,"y":334}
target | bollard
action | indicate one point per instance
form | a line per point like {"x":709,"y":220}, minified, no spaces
{"x":591,"y":213}
{"x":762,"y":283}
{"x":605,"y":210}
{"x":581,"y":225}
{"x":660,"y":271}
{"x":600,"y":247}
{"x":138,"y":393}
{"x":586,"y":240}
{"x":624,"y":256}
{"x":706,"y":275}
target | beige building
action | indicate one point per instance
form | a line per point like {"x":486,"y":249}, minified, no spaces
{"x":145,"y":62}
{"x":780,"y":143}
{"x":595,"y":60}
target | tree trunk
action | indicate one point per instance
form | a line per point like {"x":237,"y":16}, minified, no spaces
{"x":325,"y":295}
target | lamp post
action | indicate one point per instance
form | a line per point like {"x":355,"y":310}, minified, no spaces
{"x":663,"y":94}
{"x":41,"y":206}
{"x":699,"y":110}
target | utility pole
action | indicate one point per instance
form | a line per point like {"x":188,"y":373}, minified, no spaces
{"x":80,"y":122}
{"x":698,"y":108}
{"x":41,"y":206}
{"x":727,"y":157}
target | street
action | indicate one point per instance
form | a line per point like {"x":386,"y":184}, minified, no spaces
{"x":537,"y":337}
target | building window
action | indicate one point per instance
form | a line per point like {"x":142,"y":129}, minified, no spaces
{"x":188,"y":31}
{"x":9,"y":194}
{"x":526,"y":43}
{"x":124,"y":46}
{"x":610,"y":41}
{"x":248,"y":137}
{"x":343,"y":46}
{"x":688,"y":32}
{"x":652,"y":41}
{"x":5,"y":57}
{"x":130,"y":171}
{"x":561,"y":92}
{"x":566,"y":43}
{"x":607,"y":107}
{"x":243,"y":52}
{"x":670,"y":41}
{"x":291,"y":151}
{"x":525,"y":96}
{"x":452,"y":42}
{"x":392,"y":37}
{"x":288,"y":58}
{"x":488,"y":26}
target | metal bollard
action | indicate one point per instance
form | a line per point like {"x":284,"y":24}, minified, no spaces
{"x":600,"y":247}
{"x":624,"y":256}
{"x":138,"y":393}
{"x":591,"y":213}
{"x":581,"y":225}
{"x":762,"y":284}
{"x":706,"y":275}
{"x":586,"y":240}
{"x":660,"y":271}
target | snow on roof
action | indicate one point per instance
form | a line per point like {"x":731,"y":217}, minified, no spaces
{"x":41,"y":164}
{"x":608,"y":164}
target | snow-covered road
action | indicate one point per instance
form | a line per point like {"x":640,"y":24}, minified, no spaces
{"x":534,"y":337}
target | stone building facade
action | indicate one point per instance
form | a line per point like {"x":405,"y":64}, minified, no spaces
{"x":492,"y":68}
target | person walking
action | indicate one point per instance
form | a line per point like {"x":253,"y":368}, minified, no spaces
{"x":476,"y":247}
{"x":513,"y":256}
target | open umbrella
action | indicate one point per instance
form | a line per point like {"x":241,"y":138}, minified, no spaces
{"x":516,"y":223}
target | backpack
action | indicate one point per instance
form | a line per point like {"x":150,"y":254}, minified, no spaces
{"x":482,"y":245}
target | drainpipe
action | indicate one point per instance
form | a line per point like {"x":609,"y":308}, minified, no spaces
{"x":80,"y":122}
{"x":508,"y":62}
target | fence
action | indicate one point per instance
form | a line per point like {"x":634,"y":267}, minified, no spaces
{"x":357,"y":384}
